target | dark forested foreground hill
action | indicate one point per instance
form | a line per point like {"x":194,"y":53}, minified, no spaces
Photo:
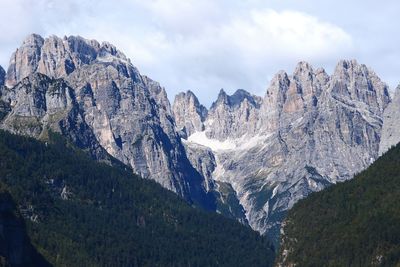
{"x":355,"y":223}
{"x":82,"y":213}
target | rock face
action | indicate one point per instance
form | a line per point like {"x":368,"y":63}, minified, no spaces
{"x":189,"y":114}
{"x":55,"y":57}
{"x":391,"y":124}
{"x":38,"y":104}
{"x":233,"y":116}
{"x":2,"y":76}
{"x":98,"y":89}
{"x":309,"y":131}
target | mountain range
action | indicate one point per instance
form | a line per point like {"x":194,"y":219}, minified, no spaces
{"x":247,"y":157}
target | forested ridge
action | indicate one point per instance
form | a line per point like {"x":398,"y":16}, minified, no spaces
{"x":79,"y":212}
{"x":355,"y":223}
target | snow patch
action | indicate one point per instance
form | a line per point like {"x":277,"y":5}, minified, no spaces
{"x":243,"y":143}
{"x":312,"y":184}
{"x":201,"y":139}
{"x":275,"y":191}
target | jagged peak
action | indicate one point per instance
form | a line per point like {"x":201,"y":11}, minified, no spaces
{"x":154,"y":86}
{"x":353,"y":66}
{"x":33,"y":39}
{"x":235,"y":99}
{"x":59,"y":57}
{"x":222,"y":98}
{"x":73,"y":42}
{"x":76,"y":39}
{"x":279,"y":81}
{"x":320,"y":71}
{"x":109,"y":47}
{"x":190,"y":94}
{"x":242,"y":95}
{"x":241,"y":92}
{"x":189,"y":97}
{"x":303,"y":67}
{"x":279,"y":78}
{"x":186,"y":95}
{"x":222,"y":93}
{"x":281,"y":75}
{"x":346,"y":65}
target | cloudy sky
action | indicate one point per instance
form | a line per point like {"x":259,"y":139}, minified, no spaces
{"x":205,"y":45}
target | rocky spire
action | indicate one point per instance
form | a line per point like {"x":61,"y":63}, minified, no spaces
{"x":232,"y":116}
{"x":189,"y":113}
{"x":356,"y":82}
{"x":25,"y":59}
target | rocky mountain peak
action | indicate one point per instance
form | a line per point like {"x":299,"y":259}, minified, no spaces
{"x":189,"y":113}
{"x":279,"y":83}
{"x":303,"y":68}
{"x":241,"y":95}
{"x":236,"y":99}
{"x":311,"y":130}
{"x":33,"y":40}
{"x":231,"y":115}
{"x":322,"y":76}
{"x":25,"y":59}
{"x":221,"y":99}
{"x":58,"y":57}
{"x":273,"y":101}
{"x":352,"y":81}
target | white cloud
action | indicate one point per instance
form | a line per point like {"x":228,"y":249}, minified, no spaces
{"x":241,"y":51}
{"x":205,"y":45}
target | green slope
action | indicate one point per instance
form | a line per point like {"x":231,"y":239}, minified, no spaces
{"x":82,"y":213}
{"x":355,"y":223}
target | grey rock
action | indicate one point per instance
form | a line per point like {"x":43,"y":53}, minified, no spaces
{"x":125,"y":113}
{"x":56,"y":57}
{"x":38,"y":104}
{"x":189,"y":114}
{"x":310,"y":130}
{"x":391,"y":124}
{"x":203,"y":160}
{"x":233,"y":116}
{"x":37,"y":101}
{"x":24,"y":60}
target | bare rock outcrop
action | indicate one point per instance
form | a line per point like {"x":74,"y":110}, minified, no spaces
{"x":310,"y":130}
{"x":126,"y":113}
